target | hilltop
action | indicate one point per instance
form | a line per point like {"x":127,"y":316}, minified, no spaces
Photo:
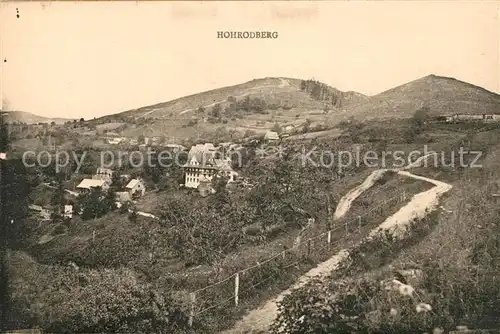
{"x":254,"y":106}
{"x":29,"y":118}
{"x":442,"y":95}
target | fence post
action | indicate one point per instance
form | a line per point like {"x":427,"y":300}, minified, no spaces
{"x":93,"y":236}
{"x":346,"y":229}
{"x":191,"y":313}
{"x":236,"y":288}
{"x":284,"y":255}
{"x":308,"y":247}
{"x":329,"y":238}
{"x":359,"y":224}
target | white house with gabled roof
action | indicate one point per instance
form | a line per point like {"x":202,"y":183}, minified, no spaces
{"x":136,"y":188}
{"x":88,"y":184}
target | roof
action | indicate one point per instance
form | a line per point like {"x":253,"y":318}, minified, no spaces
{"x":35,"y":207}
{"x":122,"y":196}
{"x":133,"y":183}
{"x":175,"y":146}
{"x":90,"y":183}
{"x":223,"y":165}
{"x":271,"y":135}
{"x":201,"y":155}
{"x":102,"y":170}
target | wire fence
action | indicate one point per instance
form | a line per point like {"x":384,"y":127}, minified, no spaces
{"x":243,"y":284}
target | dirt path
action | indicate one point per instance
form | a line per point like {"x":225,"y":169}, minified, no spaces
{"x":346,"y":201}
{"x":419,"y":206}
{"x":259,"y":320}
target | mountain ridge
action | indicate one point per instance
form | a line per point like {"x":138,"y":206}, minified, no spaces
{"x":30,"y":118}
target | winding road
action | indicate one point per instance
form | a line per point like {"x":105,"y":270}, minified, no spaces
{"x":259,"y":320}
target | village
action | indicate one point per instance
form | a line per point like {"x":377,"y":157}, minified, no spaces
{"x":202,"y":163}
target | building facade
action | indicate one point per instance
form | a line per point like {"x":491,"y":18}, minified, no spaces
{"x":104,"y":174}
{"x":203,"y":164}
{"x":136,"y":188}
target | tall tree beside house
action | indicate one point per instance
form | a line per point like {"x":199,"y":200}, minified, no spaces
{"x":221,"y":197}
{"x":116,"y":181}
{"x":276,"y":128}
{"x":58,"y":200}
{"x":417,"y":124}
{"x":96,"y":203}
{"x":154,"y":169}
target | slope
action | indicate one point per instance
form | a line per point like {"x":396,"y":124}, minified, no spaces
{"x":29,"y":118}
{"x":442,"y":95}
{"x":256,"y":105}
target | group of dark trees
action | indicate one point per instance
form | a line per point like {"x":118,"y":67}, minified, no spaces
{"x":322,"y":92}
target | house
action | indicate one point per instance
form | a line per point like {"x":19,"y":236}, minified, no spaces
{"x":175,"y":147}
{"x":470,"y":117}
{"x":105,"y":174}
{"x":203,"y":164}
{"x":68,"y":211}
{"x":114,"y":141}
{"x":87,"y":184}
{"x":271,"y":136}
{"x":123,"y":196}
{"x":136,"y":188}
{"x":143,"y":147}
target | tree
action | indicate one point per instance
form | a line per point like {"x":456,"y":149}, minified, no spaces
{"x":141,"y":139}
{"x":216,"y":110}
{"x":276,"y":128}
{"x":82,"y":120}
{"x":97,"y":203}
{"x":133,"y":215}
{"x":200,"y":110}
{"x":58,"y":200}
{"x":307,"y":126}
{"x":221,"y":197}
{"x":116,"y":181}
{"x":102,"y":301}
{"x":303,"y":85}
{"x":417,"y":123}
{"x":419,"y":119}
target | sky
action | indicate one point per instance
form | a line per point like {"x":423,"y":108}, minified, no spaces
{"x":74,"y":59}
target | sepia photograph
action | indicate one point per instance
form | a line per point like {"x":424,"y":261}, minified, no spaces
{"x":250,"y":167}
